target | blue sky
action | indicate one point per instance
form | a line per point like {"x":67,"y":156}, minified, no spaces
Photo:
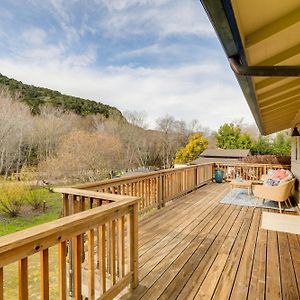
{"x":157,"y":56}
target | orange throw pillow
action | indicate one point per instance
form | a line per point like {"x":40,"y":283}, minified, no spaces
{"x":280,"y":174}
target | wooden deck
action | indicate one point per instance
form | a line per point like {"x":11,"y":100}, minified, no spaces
{"x":197,"y":248}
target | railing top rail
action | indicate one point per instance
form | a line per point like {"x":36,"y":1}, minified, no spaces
{"x":131,"y":178}
{"x":92,"y":194}
{"x":29,"y":241}
{"x":161,"y":172}
{"x":250,"y":164}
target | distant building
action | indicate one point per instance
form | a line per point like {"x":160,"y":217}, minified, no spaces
{"x":221,"y":155}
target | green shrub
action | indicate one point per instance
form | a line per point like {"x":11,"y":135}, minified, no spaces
{"x":12,"y":198}
{"x":35,"y":198}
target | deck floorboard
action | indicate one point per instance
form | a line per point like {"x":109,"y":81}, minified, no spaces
{"x":197,"y":248}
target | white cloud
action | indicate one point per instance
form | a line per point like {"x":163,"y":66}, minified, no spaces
{"x":161,"y":17}
{"x":63,"y":58}
{"x":34,"y":36}
{"x":125,"y":4}
{"x":187,"y":92}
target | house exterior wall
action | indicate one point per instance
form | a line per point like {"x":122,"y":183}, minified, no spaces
{"x":295,"y":165}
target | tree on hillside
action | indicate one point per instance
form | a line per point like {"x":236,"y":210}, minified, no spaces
{"x":196,"y":145}
{"x":37,"y":97}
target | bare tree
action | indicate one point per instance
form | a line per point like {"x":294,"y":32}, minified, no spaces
{"x":83,"y":156}
{"x":49,"y":128}
{"x":136,"y":118}
{"x":15,"y":128}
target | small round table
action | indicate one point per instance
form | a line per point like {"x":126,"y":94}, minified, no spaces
{"x":244,"y":184}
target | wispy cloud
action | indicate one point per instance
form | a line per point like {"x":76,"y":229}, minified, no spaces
{"x":177,"y":91}
{"x":156,"y":17}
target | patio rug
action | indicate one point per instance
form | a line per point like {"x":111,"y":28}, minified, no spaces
{"x":241,"y":197}
{"x":280,"y":222}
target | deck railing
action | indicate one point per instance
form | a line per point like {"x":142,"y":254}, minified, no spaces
{"x":109,"y":236}
{"x":154,"y":189}
{"x":97,"y":240}
{"x":248,"y":171}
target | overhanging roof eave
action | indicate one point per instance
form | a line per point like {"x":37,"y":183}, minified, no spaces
{"x":232,"y":46}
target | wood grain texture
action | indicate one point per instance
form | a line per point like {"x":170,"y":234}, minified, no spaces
{"x":206,"y":250}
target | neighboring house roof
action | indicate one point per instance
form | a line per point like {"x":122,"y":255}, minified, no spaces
{"x":232,"y":153}
{"x":261,"y":39}
{"x":202,"y":160}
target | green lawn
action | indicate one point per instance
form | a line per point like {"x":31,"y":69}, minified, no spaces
{"x":53,"y":211}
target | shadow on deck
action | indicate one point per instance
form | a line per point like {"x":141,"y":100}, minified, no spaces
{"x":197,"y":248}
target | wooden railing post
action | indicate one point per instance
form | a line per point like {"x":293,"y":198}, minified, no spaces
{"x":196,"y":178}
{"x":72,"y":210}
{"x":161,"y":194}
{"x":66,"y":205}
{"x":134,"y":265}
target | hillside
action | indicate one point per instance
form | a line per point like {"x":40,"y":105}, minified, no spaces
{"x":35,"y":97}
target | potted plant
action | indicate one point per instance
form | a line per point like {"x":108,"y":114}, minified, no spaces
{"x":219,"y":173}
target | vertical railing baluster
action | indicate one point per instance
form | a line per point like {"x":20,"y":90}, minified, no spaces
{"x":102,"y":257}
{"x":1,"y":284}
{"x":121,"y":261}
{"x":77,"y":267}
{"x":112,"y":251}
{"x":91,"y":264}
{"x":23,"y":279}
{"x":62,"y":272}
{"x":44,"y":265}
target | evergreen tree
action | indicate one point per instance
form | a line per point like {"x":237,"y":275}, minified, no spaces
{"x":228,"y":136}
